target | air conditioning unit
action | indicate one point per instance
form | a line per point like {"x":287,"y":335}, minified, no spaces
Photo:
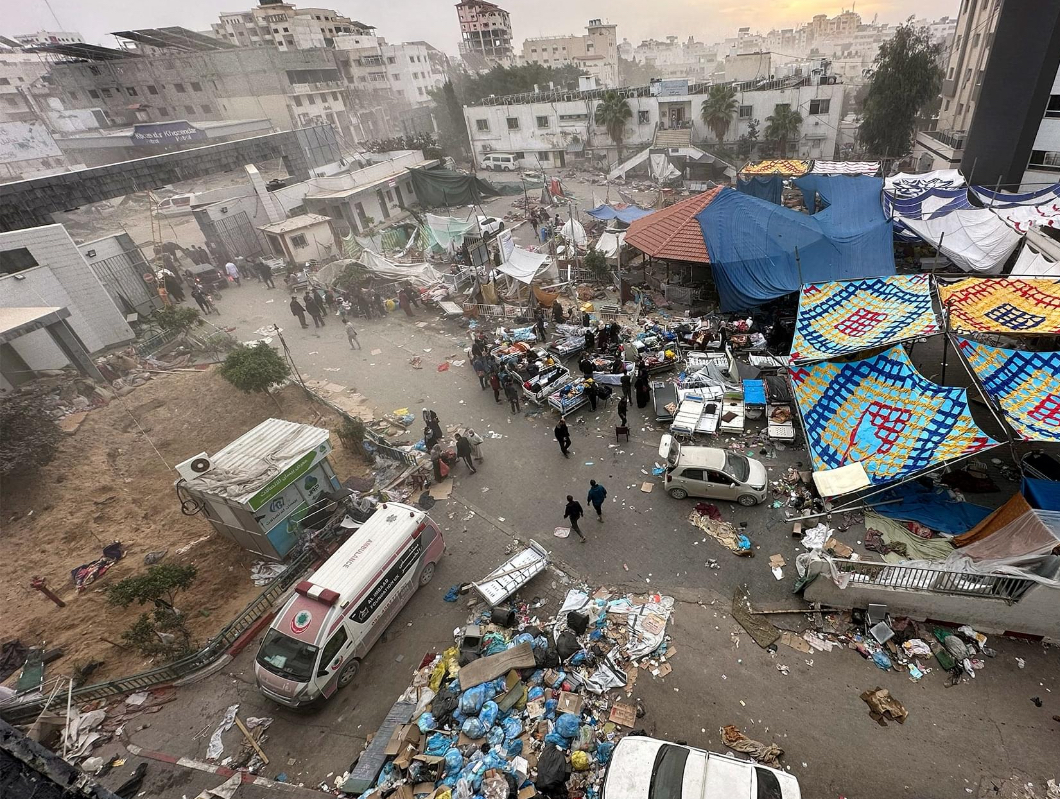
{"x":195,"y":466}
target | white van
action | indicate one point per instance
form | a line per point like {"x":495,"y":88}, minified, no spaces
{"x":647,"y":768}
{"x":502,"y":162}
{"x":316,"y":643}
{"x":712,"y":473}
{"x":177,"y":205}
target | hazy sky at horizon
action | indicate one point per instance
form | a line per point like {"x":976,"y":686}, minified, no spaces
{"x":435,"y":20}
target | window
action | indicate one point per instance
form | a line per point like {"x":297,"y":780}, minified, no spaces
{"x":819,"y":106}
{"x":196,"y":86}
{"x":13,"y":261}
{"x":975,"y":40}
{"x":967,"y":74}
{"x":163,"y":111}
{"x":395,"y":75}
{"x":5,"y":81}
{"x":544,"y":156}
{"x":777,"y":108}
{"x":331,"y":649}
{"x":312,"y":100}
{"x":643,"y":117}
{"x":419,"y":90}
{"x":960,"y":108}
{"x":950,"y":75}
{"x":389,"y":196}
{"x":573,"y":117}
{"x":179,"y":87}
{"x":668,"y":771}
{"x":542,"y":123}
{"x":361,"y":215}
{"x":189,"y":109}
{"x":768,"y":785}
{"x":692,"y":474}
{"x":207,"y":109}
{"x":105,"y":92}
{"x":1048,"y":160}
{"x":131,"y":91}
{"x":151,"y":89}
{"x":746,"y":111}
{"x":513,"y":123}
{"x":298,"y":241}
{"x":482,"y":125}
{"x":1053,"y":108}
{"x":335,"y":96}
{"x":391,"y":59}
{"x":297,"y":102}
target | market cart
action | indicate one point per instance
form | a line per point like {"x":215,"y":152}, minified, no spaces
{"x":538,"y":388}
{"x":513,"y":574}
{"x":780,"y":416}
{"x":754,"y":398}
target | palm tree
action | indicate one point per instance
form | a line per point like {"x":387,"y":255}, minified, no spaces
{"x":718,"y":109}
{"x":782,"y":126}
{"x":612,"y":113}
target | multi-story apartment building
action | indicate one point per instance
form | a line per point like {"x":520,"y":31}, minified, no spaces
{"x":274,"y":23}
{"x":595,"y":52}
{"x":485,"y":33}
{"x":694,"y":60}
{"x":19,"y":70}
{"x":41,"y":38}
{"x":409,"y":70}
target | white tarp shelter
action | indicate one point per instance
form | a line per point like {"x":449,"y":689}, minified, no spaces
{"x":660,"y":168}
{"x":524,"y":265}
{"x":420,"y":274}
{"x":907,"y":184}
{"x":1022,"y":217}
{"x":975,"y":239}
{"x":610,"y":243}
{"x":1033,"y":264}
{"x":573,"y":231}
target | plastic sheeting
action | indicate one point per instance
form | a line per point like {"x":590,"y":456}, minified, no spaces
{"x":1041,"y":494}
{"x":436,"y":188}
{"x":1026,"y":385}
{"x":523,"y":265}
{"x":906,"y":184}
{"x":1033,"y":264}
{"x":418,"y":274}
{"x":932,"y":507}
{"x":1024,"y":217}
{"x":976,"y":240}
{"x":1016,"y":539}
{"x":881,"y":412}
{"x":1004,"y":199}
{"x":447,"y":232}
{"x":609,"y":243}
{"x":932,"y":203}
{"x":627,"y":214}
{"x":573,"y":231}
{"x":765,"y":187}
{"x":846,"y":168}
{"x":1002,"y":305}
{"x":752,"y":242}
{"x":840,"y":318}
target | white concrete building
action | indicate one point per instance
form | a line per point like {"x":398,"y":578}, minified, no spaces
{"x":41,"y":38}
{"x":595,"y":52}
{"x":548,"y":128}
{"x":284,"y":26}
{"x":672,"y":59}
{"x":18,"y":72}
{"x":410,"y":70}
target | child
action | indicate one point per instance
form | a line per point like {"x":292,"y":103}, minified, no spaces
{"x":351,"y":334}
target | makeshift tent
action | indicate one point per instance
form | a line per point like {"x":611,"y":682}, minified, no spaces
{"x":447,"y":232}
{"x":437,"y":187}
{"x":899,"y":539}
{"x":420,"y":274}
{"x":765,"y":187}
{"x":610,"y":243}
{"x":932,"y":203}
{"x":1025,"y":385}
{"x":523,"y":265}
{"x":573,"y":231}
{"x":935,"y":507}
{"x":1029,"y":306}
{"x":1003,"y":199}
{"x":845,"y":168}
{"x":1042,"y":494}
{"x":1023,"y":217}
{"x":975,"y":239}
{"x":752,"y":243}
{"x":624,"y":213}
{"x":660,"y":168}
{"x":840,"y":318}
{"x":790,"y":167}
{"x":905,"y":184}
{"x":1032,"y":263}
{"x":882,"y":413}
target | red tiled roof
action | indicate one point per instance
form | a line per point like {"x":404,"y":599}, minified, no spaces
{"x":673,"y":233}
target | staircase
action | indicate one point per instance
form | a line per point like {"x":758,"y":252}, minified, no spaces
{"x":682,"y":137}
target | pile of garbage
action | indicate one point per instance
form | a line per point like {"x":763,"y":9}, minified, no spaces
{"x":520,"y":706}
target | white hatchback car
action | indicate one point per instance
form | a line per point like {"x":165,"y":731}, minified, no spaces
{"x":712,"y":473}
{"x":490,"y":225}
{"x":647,"y":768}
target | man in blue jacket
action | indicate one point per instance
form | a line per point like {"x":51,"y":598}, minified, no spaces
{"x":597,"y":495}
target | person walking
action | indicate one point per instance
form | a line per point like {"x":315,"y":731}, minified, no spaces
{"x":563,"y":437}
{"x":430,"y":418}
{"x":643,"y":390}
{"x":590,"y":339}
{"x":202,"y":299}
{"x":533,"y":222}
{"x":265,"y":273}
{"x":596,"y":497}
{"x":480,"y":371}
{"x":351,"y":336}
{"x":557,"y":312}
{"x":430,"y":438}
{"x":591,"y":392}
{"x":476,"y":444}
{"x":403,"y":301}
{"x":511,"y":391}
{"x":463,"y":451}
{"x":574,"y":511}
{"x":623,"y":407}
{"x":413,"y":294}
{"x":627,"y":386}
{"x":495,"y":384}
{"x":539,"y":324}
{"x":299,"y":311}
{"x":233,"y":272}
{"x":312,"y":305}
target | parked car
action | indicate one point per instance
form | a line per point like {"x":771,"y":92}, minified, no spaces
{"x":178,"y":205}
{"x":212,"y":278}
{"x":502,"y":162}
{"x":490,"y":225}
{"x":712,"y":473}
{"x":647,"y":768}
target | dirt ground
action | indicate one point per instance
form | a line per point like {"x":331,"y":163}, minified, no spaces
{"x":107,"y":483}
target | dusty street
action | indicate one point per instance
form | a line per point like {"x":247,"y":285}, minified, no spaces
{"x":957,"y":742}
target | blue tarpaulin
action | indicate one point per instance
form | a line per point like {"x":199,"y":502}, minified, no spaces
{"x":628,"y":214}
{"x":934,"y":508}
{"x":1041,"y":494}
{"x":752,"y":242}
{"x":768,"y":187}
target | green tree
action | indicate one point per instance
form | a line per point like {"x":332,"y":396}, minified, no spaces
{"x":29,"y":437}
{"x":906,"y":76}
{"x":749,"y":140}
{"x":596,"y":262}
{"x":612,"y":113}
{"x":177,"y":318}
{"x":718,"y":109}
{"x":782,"y":126}
{"x":164,"y":632}
{"x":254,"y":369}
{"x":452,"y":130}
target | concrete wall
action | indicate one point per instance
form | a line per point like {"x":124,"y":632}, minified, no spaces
{"x":1034,"y":614}
{"x":62,"y":278}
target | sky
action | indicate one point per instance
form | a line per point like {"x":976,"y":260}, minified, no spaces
{"x":435,"y":21}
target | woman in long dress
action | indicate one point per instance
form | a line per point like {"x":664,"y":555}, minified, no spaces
{"x":643,"y":390}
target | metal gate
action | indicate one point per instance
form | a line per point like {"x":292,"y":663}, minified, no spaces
{"x":236,"y":233}
{"x":122,"y":277}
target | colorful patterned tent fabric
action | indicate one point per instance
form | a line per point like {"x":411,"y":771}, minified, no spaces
{"x":881,"y":412}
{"x":1024,"y":217}
{"x":929,"y":204}
{"x":1003,"y":305}
{"x":1026,"y":385}
{"x":778,"y":166}
{"x":1003,"y":199}
{"x":840,"y":318}
{"x":846,"y":167}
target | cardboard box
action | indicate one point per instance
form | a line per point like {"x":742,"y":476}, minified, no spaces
{"x":528,"y":792}
{"x":624,"y":715}
{"x":404,"y":735}
{"x":535,"y":708}
{"x":839,"y":548}
{"x":570,"y":703}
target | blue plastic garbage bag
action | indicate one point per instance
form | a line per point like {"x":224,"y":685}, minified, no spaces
{"x":882,"y":660}
{"x":495,"y":760}
{"x":454,"y":761}
{"x":578,"y":659}
{"x":386,"y":774}
{"x":426,"y":722}
{"x":472,"y":699}
{"x":523,"y":638}
{"x":604,"y":750}
{"x":743,"y":541}
{"x":495,"y":737}
{"x":473,"y":728}
{"x":513,"y":728}
{"x":557,"y":740}
{"x":541,"y":642}
{"x":437,"y":744}
{"x":488,"y":714}
{"x":453,"y":594}
{"x":537,"y":678}
{"x":567,"y":725}
{"x":550,"y":708}
{"x":535,"y":693}
{"x":514,"y":748}
{"x":459,"y":717}
{"x":492,"y":644}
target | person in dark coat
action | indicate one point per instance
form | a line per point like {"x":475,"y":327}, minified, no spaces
{"x":265,"y":274}
{"x":539,"y":324}
{"x":592,"y":393}
{"x":557,"y":312}
{"x":403,"y":301}
{"x":436,"y":463}
{"x":511,"y":391}
{"x":463,"y":451}
{"x":430,"y":438}
{"x":643,"y":390}
{"x":299,"y":311}
{"x":563,"y":437}
{"x":596,"y":497}
{"x":590,"y":339}
{"x":480,"y":371}
{"x":623,"y":406}
{"x":627,"y":386}
{"x":411,"y":293}
{"x":574,"y":511}
{"x":430,"y":418}
{"x":312,"y":306}
{"x":585,"y":366}
{"x":495,"y":384}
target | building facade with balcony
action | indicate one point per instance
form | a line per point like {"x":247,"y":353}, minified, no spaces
{"x":410,"y":70}
{"x":595,"y":52}
{"x":485,"y":33}
{"x":284,"y":26}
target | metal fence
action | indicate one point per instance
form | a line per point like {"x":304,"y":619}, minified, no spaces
{"x":942,"y":581}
